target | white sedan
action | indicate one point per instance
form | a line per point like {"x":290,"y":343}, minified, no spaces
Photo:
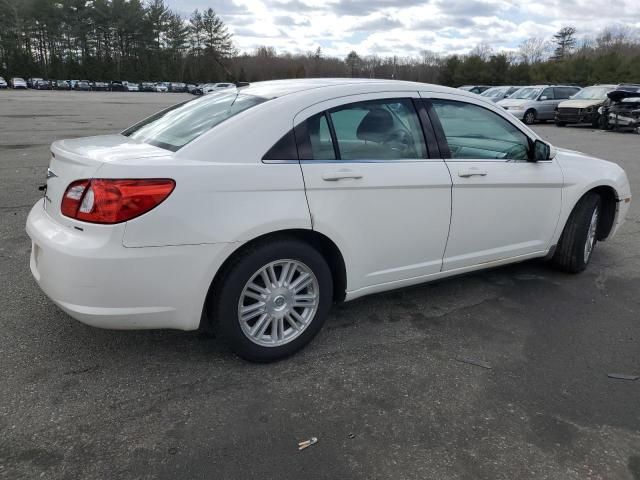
{"x":250,"y":211}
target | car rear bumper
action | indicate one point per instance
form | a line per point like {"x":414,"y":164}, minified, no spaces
{"x":101,"y":283}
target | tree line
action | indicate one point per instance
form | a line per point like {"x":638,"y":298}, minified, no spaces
{"x":146,"y":40}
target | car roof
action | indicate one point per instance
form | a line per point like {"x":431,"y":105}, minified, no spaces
{"x":278,"y":88}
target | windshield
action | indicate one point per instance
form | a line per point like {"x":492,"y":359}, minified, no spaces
{"x":176,"y":126}
{"x":592,"y":93}
{"x":494,"y":92}
{"x":526,"y":93}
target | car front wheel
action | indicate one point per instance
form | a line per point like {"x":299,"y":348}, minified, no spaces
{"x":272,"y":300}
{"x":530,"y":117}
{"x":579,"y":236}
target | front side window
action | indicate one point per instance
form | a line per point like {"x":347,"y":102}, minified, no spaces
{"x":176,"y":126}
{"x":548,"y":93}
{"x":476,"y":133}
{"x":378,"y":130}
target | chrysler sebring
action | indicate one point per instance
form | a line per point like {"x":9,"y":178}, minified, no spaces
{"x":250,"y":211}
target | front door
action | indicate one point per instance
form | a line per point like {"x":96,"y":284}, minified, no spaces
{"x":372,"y":187}
{"x":504,"y":206}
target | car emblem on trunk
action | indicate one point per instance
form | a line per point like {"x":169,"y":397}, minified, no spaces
{"x":50,"y":174}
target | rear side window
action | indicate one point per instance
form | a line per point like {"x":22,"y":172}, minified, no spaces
{"x":284,"y":149}
{"x":314,"y":139}
{"x":176,"y":126}
{"x":476,"y":133}
{"x":378,"y":130}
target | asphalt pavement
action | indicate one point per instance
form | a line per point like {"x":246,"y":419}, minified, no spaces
{"x":382,"y":387}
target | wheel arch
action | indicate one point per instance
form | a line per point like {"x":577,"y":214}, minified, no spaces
{"x":327,"y":248}
{"x":609,"y":197}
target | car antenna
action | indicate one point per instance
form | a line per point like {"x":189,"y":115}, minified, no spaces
{"x":233,"y":78}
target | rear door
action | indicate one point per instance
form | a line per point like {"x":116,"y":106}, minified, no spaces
{"x":373,"y":187}
{"x":503,"y":206}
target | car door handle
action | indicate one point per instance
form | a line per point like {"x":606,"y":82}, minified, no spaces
{"x":471,"y":172}
{"x":340,"y":175}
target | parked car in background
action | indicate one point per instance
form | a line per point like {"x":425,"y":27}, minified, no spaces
{"x":148,"y":229}
{"x":31,"y":82}
{"x":82,"y":85}
{"x":118,"y":86}
{"x":590,"y":105}
{"x":537,"y":102}
{"x":61,"y":85}
{"x":42,"y":85}
{"x":147,"y":87}
{"x":191,"y":87}
{"x":621,"y":111}
{"x":101,"y":86}
{"x":475,"y":88}
{"x":495,"y":94}
{"x":583,"y":106}
{"x":17,"y":82}
{"x":177,"y":87}
{"x":161,"y":87}
{"x":3,"y":83}
{"x":214,"y":87}
{"x":132,"y":86}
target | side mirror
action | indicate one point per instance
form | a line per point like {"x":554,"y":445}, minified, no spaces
{"x":543,"y":98}
{"x":541,"y":151}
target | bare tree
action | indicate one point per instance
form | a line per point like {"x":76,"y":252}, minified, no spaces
{"x":533,"y":50}
{"x":482,"y":50}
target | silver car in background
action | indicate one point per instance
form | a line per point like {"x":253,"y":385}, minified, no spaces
{"x":495,"y":94}
{"x":537,"y":102}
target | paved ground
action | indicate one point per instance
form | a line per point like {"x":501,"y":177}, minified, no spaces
{"x":380,"y":386}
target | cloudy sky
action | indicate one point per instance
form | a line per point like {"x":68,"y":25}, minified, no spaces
{"x":405,"y":27}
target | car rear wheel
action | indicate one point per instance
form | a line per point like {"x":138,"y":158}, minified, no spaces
{"x":530,"y":117}
{"x":579,"y":236}
{"x":272,"y":300}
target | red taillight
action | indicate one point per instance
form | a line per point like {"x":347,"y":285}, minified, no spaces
{"x":114,"y":200}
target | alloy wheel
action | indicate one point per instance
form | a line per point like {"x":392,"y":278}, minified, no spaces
{"x":278,"y":303}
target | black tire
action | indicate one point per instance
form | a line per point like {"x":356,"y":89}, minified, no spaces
{"x":530,"y":117}
{"x":224,"y":300}
{"x":570,"y":251}
{"x":596,"y":122}
{"x":560,"y":124}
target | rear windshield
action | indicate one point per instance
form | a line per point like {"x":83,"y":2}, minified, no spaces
{"x":176,"y":126}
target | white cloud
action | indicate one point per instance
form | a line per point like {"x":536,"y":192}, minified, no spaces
{"x":405,"y":27}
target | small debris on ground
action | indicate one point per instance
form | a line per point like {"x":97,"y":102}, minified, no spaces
{"x":623,"y":376}
{"x":307,"y":443}
{"x":474,"y":361}
{"x":351,"y":436}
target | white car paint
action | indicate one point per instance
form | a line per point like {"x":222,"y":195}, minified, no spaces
{"x":401,"y":223}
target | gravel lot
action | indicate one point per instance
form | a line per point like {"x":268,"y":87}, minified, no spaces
{"x":380,"y":386}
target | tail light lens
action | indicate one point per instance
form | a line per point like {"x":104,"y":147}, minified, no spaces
{"x":114,"y":200}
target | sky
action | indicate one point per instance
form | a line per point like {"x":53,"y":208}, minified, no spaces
{"x":406,"y":27}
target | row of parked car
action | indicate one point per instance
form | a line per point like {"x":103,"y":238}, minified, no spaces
{"x":113,"y":86}
{"x":608,"y":106}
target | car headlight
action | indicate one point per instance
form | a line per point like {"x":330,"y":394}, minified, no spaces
{"x":600,"y":110}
